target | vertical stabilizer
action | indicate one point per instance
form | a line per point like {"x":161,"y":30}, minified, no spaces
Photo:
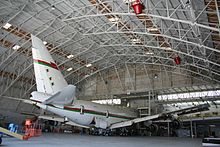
{"x":48,"y":77}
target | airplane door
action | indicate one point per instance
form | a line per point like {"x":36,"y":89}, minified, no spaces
{"x":81,"y":109}
{"x":107,"y":114}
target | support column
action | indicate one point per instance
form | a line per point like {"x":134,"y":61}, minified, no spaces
{"x":149,"y":104}
{"x":195,"y":130}
{"x":217,"y":11}
{"x":191,"y":128}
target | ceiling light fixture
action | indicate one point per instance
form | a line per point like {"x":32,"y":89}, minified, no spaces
{"x":166,"y":48}
{"x":44,"y":42}
{"x":53,"y":7}
{"x":152,"y":29}
{"x":114,"y":19}
{"x":70,"y":56}
{"x":128,"y":93}
{"x":136,"y":40}
{"x":86,"y":75}
{"x":129,"y":1}
{"x":149,"y":53}
{"x":7,"y":26}
{"x":69,"y":69}
{"x":89,"y":65}
{"x":16,"y":47}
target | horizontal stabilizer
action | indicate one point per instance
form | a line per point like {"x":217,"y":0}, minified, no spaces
{"x":64,"y":97}
{"x":19,"y":99}
{"x":39,"y":96}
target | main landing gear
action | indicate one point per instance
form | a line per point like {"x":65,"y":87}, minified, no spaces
{"x":101,"y":132}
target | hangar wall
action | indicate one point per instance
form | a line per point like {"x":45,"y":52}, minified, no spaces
{"x":9,"y":116}
{"x":135,"y":79}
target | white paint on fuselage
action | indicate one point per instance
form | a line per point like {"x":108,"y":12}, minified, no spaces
{"x":87,"y":118}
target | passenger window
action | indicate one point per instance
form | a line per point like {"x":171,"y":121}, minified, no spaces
{"x":81,"y":109}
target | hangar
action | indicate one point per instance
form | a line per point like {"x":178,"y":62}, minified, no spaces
{"x":154,"y":56}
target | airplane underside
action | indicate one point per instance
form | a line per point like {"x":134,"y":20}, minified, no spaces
{"x":142,"y":128}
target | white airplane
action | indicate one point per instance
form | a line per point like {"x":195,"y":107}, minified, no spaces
{"x":55,"y":95}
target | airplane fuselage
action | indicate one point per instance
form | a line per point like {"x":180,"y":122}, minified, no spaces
{"x":91,"y":114}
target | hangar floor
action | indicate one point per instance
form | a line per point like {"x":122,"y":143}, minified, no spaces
{"x":73,"y":140}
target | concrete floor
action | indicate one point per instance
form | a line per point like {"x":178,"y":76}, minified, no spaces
{"x":75,"y":140}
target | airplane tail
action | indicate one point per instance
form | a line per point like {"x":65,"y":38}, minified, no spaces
{"x":49,"y":80}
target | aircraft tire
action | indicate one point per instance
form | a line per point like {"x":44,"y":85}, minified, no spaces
{"x":153,"y":128}
{"x":176,"y":124}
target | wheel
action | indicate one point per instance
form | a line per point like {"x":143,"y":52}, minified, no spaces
{"x":175,"y":124}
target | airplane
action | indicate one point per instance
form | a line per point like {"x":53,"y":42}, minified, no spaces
{"x":55,"y":95}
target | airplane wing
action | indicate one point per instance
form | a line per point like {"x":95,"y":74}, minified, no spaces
{"x":61,"y":119}
{"x":184,"y":111}
{"x":133,"y":121}
{"x":194,"y":109}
